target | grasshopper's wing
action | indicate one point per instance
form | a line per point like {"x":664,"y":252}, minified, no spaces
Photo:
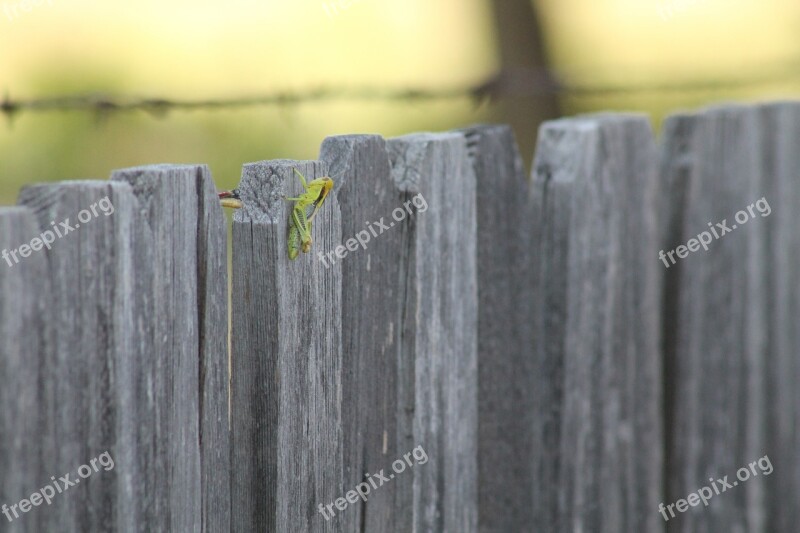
{"x":310,"y":212}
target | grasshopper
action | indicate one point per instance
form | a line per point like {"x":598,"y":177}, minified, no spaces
{"x":300,"y":220}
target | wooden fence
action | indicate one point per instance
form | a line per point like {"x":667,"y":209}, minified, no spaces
{"x":520,"y":347}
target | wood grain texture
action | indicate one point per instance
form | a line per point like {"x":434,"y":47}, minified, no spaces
{"x":287,"y":359}
{"x":438,"y":348}
{"x":598,"y":322}
{"x":506,"y":370}
{"x":552,"y":189}
{"x":88,"y":386}
{"x":557,"y":374}
{"x":25,"y":330}
{"x":371,"y":320}
{"x":780,"y":129}
{"x":185,"y":227}
{"x":215,"y":438}
{"x":716,"y":321}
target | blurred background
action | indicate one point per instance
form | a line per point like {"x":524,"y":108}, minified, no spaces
{"x":89,"y":86}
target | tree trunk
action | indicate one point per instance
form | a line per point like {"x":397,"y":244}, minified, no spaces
{"x":525,"y":91}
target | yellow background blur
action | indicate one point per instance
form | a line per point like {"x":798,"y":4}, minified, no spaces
{"x":195,"y":50}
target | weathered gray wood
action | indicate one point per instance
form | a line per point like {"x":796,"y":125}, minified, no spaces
{"x":506,"y":371}
{"x":215,"y":438}
{"x":552,"y":188}
{"x":98,"y":338}
{"x":598,"y":322}
{"x":372,"y":295}
{"x":516,"y":336}
{"x":438,"y":347}
{"x":715,"y":330}
{"x":185,"y":226}
{"x":25,"y":331}
{"x":287,"y":360}
{"x":780,"y":128}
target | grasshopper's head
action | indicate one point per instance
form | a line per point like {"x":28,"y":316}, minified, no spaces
{"x":327,"y":186}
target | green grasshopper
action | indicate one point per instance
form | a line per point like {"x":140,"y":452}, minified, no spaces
{"x":300,"y":221}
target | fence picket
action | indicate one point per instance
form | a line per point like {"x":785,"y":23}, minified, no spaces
{"x":506,"y":365}
{"x":780,"y":126}
{"x":372,"y":297}
{"x":715,"y":329}
{"x":185,"y":229}
{"x":287,"y":359}
{"x":86,"y":385}
{"x":438,"y":346}
{"x":599,"y":359}
{"x":26,"y":333}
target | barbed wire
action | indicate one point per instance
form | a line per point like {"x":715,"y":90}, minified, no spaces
{"x":504,"y":84}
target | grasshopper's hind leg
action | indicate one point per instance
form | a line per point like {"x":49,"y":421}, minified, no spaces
{"x":299,"y":234}
{"x":293,"y":242}
{"x":307,"y":244}
{"x":303,"y":227}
